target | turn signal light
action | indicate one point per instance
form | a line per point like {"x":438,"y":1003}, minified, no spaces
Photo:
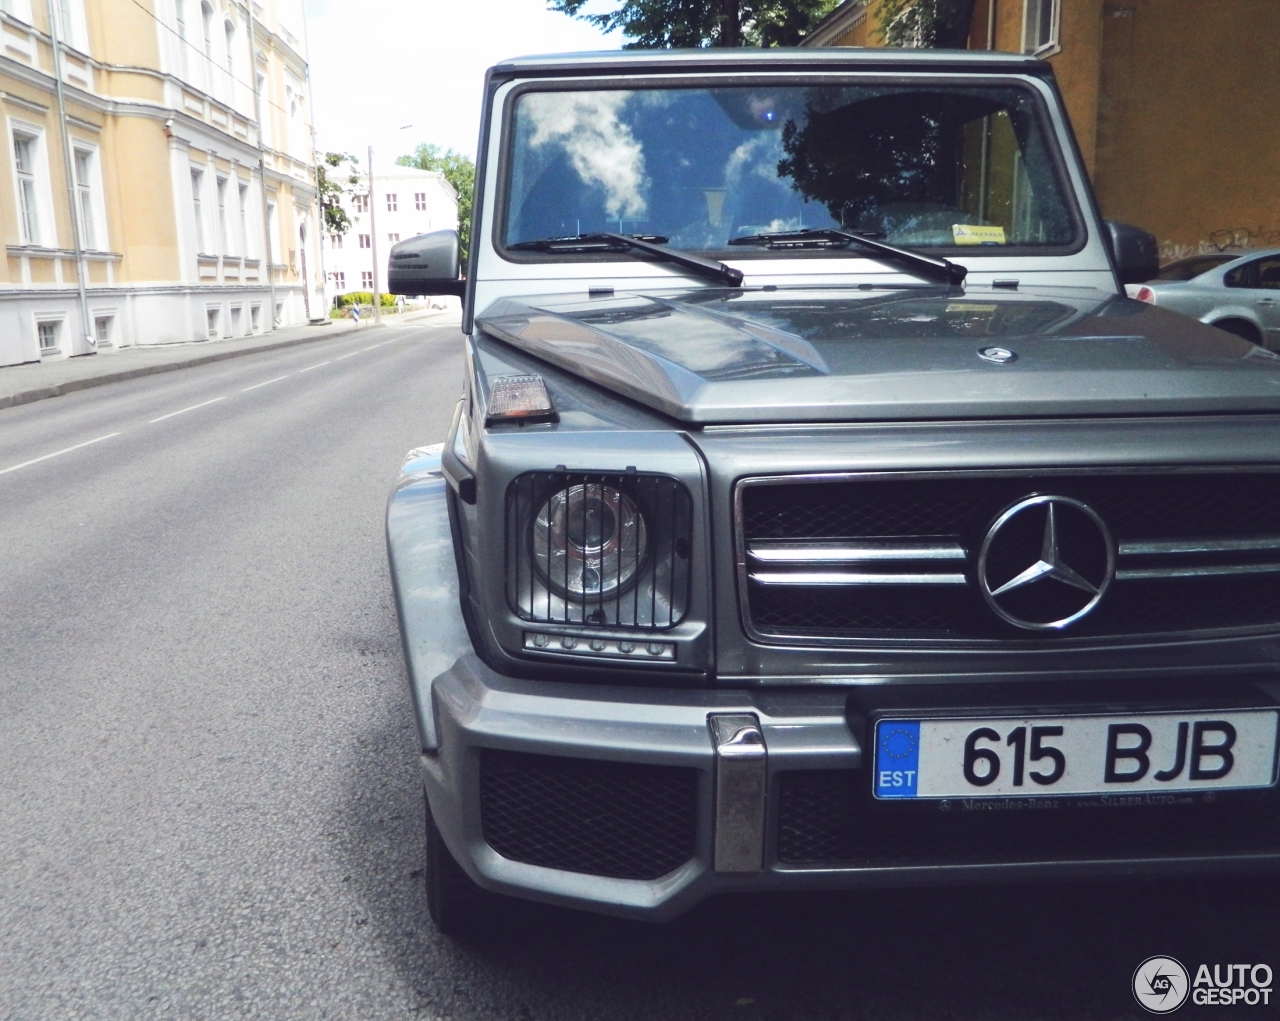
{"x":1146,"y":294}
{"x":522,"y":397}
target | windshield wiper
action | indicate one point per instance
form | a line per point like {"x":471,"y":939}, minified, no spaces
{"x":926,"y":265}
{"x":648,"y":243}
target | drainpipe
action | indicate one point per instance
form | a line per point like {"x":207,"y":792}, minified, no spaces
{"x":69,"y":168}
{"x":262,"y":160}
{"x":373,"y":241}
{"x":320,"y":232}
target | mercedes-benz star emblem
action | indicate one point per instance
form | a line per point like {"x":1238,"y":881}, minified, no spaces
{"x":1046,"y":562}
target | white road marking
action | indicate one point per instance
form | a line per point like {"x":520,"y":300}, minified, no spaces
{"x":256,"y":385}
{"x":316,"y":366}
{"x":65,"y":450}
{"x":182,"y":411}
{"x":350,"y":353}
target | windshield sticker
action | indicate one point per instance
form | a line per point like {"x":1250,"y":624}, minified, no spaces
{"x":977,"y":234}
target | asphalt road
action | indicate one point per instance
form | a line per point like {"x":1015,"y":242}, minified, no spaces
{"x":209,"y":799}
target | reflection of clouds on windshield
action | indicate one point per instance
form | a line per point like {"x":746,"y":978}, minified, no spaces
{"x":757,"y":159}
{"x":602,"y":149}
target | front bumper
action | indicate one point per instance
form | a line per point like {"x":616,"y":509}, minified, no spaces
{"x":806,"y":734}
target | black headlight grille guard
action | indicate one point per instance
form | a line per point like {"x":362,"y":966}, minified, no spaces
{"x":644,"y":586}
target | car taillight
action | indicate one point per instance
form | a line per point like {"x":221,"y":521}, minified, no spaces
{"x":1146,"y":294}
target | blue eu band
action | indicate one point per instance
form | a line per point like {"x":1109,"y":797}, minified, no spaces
{"x":897,"y":758}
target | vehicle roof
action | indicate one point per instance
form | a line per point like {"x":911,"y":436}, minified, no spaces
{"x":1227,"y":257}
{"x":775,"y":58}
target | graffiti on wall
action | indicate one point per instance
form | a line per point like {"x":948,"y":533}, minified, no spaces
{"x":1223,"y":240}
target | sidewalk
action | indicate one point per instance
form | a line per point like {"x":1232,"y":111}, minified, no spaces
{"x":34,"y":381}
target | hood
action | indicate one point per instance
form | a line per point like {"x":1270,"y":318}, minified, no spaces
{"x":799,"y":355}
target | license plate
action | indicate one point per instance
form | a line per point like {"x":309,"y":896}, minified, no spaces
{"x":1010,"y":756}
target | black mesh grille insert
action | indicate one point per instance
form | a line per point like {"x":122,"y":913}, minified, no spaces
{"x":1136,"y":506}
{"x":826,"y":818}
{"x":612,"y":550}
{"x":624,"y":820}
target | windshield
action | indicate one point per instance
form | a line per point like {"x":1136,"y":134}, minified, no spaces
{"x":918,"y":166}
{"x":1189,"y":269}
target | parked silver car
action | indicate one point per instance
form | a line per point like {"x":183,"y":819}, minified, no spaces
{"x":1236,"y":292}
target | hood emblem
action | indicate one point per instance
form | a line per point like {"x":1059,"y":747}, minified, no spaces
{"x":999,"y":355}
{"x":1046,"y":562}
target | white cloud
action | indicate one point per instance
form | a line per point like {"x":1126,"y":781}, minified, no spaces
{"x":380,"y":64}
{"x":602,"y":149}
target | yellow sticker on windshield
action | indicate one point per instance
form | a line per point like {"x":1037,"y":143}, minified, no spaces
{"x":977,"y":234}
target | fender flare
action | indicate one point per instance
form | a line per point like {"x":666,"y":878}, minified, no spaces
{"x":424,"y":578}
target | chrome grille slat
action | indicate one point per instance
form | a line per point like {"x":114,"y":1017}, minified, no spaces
{"x":853,"y":578}
{"x":1194,"y":571}
{"x":779,"y":553}
{"x":1260,"y":544}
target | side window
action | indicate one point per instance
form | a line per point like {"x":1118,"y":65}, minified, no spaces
{"x":1241,"y":276}
{"x":1269,"y":273}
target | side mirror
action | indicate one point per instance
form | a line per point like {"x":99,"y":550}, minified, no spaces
{"x":426,"y":264}
{"x":1135,"y":251}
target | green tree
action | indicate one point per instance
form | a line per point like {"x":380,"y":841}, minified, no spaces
{"x":943,"y":24}
{"x":330,"y":173}
{"x":460,"y":171}
{"x":655,"y":24}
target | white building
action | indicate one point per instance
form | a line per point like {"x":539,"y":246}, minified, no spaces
{"x":406,"y":202}
{"x":164,"y":190}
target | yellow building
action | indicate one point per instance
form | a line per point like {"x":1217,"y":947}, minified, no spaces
{"x":1173,"y":103}
{"x":157,"y":181}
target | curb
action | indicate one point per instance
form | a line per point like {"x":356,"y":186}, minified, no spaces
{"x":58,"y":389}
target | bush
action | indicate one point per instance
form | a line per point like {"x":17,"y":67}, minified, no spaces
{"x":364,"y":298}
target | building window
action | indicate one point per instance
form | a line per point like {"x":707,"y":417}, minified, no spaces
{"x":206,"y":16}
{"x":255,"y":314}
{"x":235,"y":320}
{"x":1040,"y":26}
{"x":244,"y":227}
{"x":340,"y":280}
{"x":366,"y":279}
{"x":223,"y":239}
{"x":197,"y":186}
{"x":67,"y":23}
{"x":264,"y":125}
{"x":48,"y":334}
{"x":335,"y":241}
{"x":229,"y":29}
{"x":24,"y":160}
{"x":393,"y":238}
{"x":272,"y":231}
{"x":84,"y":197}
{"x":212,"y":316}
{"x":420,"y":201}
{"x":20,"y":9}
{"x":102,"y":329}
{"x":365,"y":241}
{"x":391,"y":202}
{"x":360,"y":203}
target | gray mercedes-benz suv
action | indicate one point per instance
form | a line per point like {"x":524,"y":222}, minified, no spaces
{"x":818,"y":511}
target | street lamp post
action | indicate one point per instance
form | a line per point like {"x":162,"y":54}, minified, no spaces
{"x":373,"y":242}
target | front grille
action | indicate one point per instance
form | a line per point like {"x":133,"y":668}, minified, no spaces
{"x":827,"y":818}
{"x":891,"y":555}
{"x":609,"y":550}
{"x":623,"y":820}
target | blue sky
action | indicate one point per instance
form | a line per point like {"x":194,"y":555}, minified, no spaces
{"x":379,"y":64}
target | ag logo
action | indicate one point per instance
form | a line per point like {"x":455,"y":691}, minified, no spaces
{"x":1160,"y":985}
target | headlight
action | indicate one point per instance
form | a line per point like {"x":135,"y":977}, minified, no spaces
{"x":589,"y":540}
{"x":610,"y":550}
